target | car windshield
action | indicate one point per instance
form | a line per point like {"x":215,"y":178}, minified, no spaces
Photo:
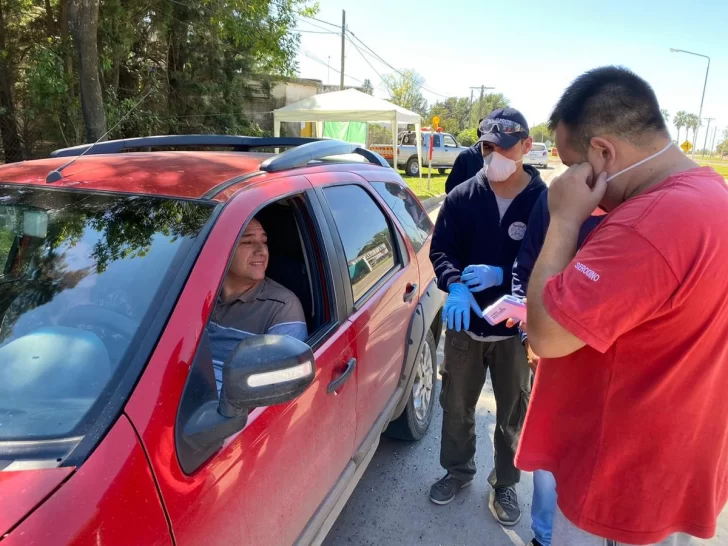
{"x":81,"y":277}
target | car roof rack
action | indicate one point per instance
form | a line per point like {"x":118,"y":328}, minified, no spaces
{"x":237,"y":143}
{"x":316,"y":151}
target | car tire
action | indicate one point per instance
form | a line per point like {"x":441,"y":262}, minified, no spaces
{"x":442,"y":171}
{"x":412,"y":425}
{"x":413,"y":167}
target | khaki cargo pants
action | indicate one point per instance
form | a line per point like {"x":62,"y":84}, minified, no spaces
{"x":463,"y":377}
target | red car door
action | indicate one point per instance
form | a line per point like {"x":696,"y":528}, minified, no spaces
{"x":383,"y":281}
{"x":266,"y":482}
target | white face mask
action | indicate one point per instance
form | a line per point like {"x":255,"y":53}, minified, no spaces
{"x":498,"y":168}
{"x":642,"y":162}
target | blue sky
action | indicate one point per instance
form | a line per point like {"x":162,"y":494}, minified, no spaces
{"x":530,"y":50}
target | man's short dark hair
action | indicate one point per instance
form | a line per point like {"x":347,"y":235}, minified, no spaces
{"x":609,"y":100}
{"x":477,"y":129}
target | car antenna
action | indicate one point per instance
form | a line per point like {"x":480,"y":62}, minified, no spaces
{"x":56,"y":175}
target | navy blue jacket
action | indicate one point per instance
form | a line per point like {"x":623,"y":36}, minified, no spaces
{"x":466,"y":166}
{"x":469,"y":231}
{"x":538,"y":224}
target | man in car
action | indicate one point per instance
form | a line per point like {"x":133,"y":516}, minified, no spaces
{"x":477,"y":237}
{"x":467,"y":164}
{"x":250,"y":303}
{"x":629,"y":409}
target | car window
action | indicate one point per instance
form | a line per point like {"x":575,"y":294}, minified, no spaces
{"x":450,"y":141}
{"x":365,"y":234}
{"x":538,"y":147}
{"x":84,"y":274}
{"x":417,"y":225}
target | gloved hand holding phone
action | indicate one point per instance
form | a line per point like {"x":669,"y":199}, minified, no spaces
{"x":479,"y":277}
{"x":456,"y":312}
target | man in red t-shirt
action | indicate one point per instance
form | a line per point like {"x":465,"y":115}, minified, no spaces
{"x":629,"y":410}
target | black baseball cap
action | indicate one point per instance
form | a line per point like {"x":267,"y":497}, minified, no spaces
{"x":503,"y":127}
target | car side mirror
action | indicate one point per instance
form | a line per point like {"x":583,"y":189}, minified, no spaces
{"x":265,"y":370}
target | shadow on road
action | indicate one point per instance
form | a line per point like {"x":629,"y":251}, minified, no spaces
{"x":390,"y":506}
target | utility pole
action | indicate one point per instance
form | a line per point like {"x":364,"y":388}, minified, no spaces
{"x":480,"y":102}
{"x":470,"y":112}
{"x":715,"y":131}
{"x":700,"y":112}
{"x":328,"y":72}
{"x":343,"y":44}
{"x":707,"y":132}
{"x":482,"y":94}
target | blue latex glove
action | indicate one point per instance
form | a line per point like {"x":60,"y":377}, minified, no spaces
{"x":456,"y":312}
{"x":479,"y":277}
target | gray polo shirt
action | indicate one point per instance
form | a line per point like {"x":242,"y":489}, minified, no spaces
{"x":269,"y":308}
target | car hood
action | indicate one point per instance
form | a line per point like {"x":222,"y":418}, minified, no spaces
{"x":21,"y":491}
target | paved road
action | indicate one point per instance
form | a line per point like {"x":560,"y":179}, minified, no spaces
{"x":390,"y":506}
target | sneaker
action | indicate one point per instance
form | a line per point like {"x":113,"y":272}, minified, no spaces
{"x":535,"y":542}
{"x":445,"y":489}
{"x":504,"y":506}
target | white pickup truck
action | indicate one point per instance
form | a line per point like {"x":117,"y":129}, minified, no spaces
{"x":444,"y":152}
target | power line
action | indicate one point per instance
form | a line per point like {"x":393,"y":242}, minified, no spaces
{"x":319,"y":27}
{"x":378,"y":57}
{"x":370,"y":64}
{"x":324,"y":63}
{"x":371,"y":52}
{"x":320,"y":21}
{"x":314,"y":31}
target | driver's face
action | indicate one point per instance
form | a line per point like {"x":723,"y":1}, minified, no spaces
{"x":251,"y":257}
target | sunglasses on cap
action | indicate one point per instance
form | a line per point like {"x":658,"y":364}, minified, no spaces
{"x":504,"y":126}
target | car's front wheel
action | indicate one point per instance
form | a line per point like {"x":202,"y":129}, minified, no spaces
{"x":442,"y":171}
{"x":413,"y":167}
{"x":417,"y":415}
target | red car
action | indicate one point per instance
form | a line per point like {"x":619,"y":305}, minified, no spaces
{"x":111,"y":428}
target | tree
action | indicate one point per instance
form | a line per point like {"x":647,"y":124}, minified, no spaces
{"x":405,"y":90}
{"x":541,"y":133}
{"x":490,"y":102}
{"x":202,"y":61}
{"x":665,"y":114}
{"x":679,"y":121}
{"x":453,"y":113}
{"x":8,"y":127}
{"x":368,"y":88}
{"x":691,"y":122}
{"x":83,"y":19}
{"x":468,"y":137}
{"x":722,"y":148}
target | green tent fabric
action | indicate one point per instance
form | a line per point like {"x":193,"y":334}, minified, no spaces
{"x":348,"y":131}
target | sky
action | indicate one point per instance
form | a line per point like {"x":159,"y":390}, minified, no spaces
{"x":529,"y":51}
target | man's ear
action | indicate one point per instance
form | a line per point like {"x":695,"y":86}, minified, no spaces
{"x":603,"y":152}
{"x":527,"y":144}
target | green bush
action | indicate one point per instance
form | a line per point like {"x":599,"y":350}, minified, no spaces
{"x":468,"y":137}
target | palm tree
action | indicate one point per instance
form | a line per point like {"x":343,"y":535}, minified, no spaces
{"x":693,"y":122}
{"x":665,"y":114}
{"x":679,"y":122}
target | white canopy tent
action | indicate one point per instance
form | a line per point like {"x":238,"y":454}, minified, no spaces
{"x":349,"y":105}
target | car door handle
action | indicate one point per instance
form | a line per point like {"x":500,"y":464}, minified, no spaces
{"x":337,"y":383}
{"x":410,"y":292}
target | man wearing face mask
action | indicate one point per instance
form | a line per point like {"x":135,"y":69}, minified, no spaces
{"x":629,"y":409}
{"x":477,"y":237}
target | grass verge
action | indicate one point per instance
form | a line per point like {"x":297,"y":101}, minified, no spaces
{"x":419,"y":185}
{"x":720,"y":165}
